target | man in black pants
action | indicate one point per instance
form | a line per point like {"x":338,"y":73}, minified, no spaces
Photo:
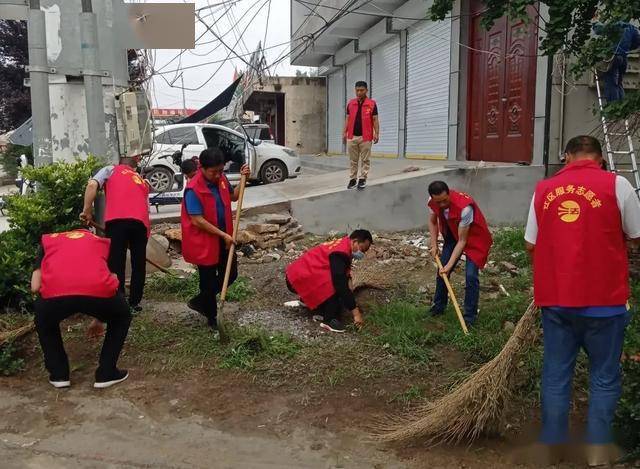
{"x":72,"y":276}
{"x":126,"y":221}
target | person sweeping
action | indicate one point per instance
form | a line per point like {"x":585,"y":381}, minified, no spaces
{"x":578,"y":223}
{"x":458,"y":218}
{"x":207,"y":227}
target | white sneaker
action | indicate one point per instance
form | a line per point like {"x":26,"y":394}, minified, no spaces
{"x":60,"y":384}
{"x":121,"y":375}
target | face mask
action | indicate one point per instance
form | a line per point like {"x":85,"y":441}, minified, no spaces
{"x":358,"y":255}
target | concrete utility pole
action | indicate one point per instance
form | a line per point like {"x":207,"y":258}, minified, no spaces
{"x":92,"y":80}
{"x":39,"y":78}
{"x":184,"y":101}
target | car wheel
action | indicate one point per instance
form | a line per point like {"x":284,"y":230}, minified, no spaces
{"x":160,"y":179}
{"x":273,"y":171}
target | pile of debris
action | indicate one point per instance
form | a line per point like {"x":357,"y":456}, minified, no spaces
{"x":271,"y":232}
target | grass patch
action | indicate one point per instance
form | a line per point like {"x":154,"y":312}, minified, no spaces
{"x":400,"y":327}
{"x":250,"y":346}
{"x":10,"y":363}
{"x":508,"y":245}
{"x":411,"y":394}
{"x":167,"y":287}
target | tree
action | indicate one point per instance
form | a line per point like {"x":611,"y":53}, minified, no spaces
{"x":568,"y":29}
{"x":15,"y":99}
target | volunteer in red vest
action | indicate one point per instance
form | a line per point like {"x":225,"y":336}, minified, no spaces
{"x":576,"y":231}
{"x":207,"y":229}
{"x":72,"y":276}
{"x":126,"y":221}
{"x":321,"y":278}
{"x":458,"y":218}
{"x":361,"y":130}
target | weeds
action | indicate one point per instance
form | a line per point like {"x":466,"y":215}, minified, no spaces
{"x":411,"y":394}
{"x":10,"y":364}
{"x":248,"y":346}
{"x":184,"y":287}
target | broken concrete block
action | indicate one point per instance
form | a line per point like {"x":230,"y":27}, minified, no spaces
{"x":274,"y":243}
{"x":164,"y":242}
{"x":273,"y":255}
{"x":174,"y":234}
{"x":246,"y":237}
{"x":292,"y":224}
{"x":261,"y":228}
{"x":276,"y":218}
{"x":294,"y":237}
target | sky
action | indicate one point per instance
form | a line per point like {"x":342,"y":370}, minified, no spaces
{"x":249,"y":16}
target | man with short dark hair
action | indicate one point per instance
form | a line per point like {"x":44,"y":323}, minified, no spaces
{"x":361,"y":129}
{"x":321,"y":277}
{"x":575,"y":234}
{"x":189,"y":168}
{"x":458,"y":218}
{"x":207,"y":228}
{"x":126,"y":219}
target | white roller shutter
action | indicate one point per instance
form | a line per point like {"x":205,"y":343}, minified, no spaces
{"x":385,"y":89}
{"x":356,"y":71}
{"x":335,"y":111}
{"x":428,"y":63}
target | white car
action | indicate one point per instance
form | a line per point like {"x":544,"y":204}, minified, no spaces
{"x":269,"y":163}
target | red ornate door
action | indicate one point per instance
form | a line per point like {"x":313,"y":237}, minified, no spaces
{"x":502,"y":89}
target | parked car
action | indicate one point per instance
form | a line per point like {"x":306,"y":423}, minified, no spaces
{"x":259,"y":132}
{"x":269,"y":163}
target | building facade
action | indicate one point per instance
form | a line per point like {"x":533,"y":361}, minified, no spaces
{"x":447,"y":89}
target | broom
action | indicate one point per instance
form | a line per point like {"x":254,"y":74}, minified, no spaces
{"x":473,"y":408}
{"x":223,"y":327}
{"x":10,"y":336}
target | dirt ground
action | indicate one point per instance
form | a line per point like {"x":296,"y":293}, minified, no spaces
{"x":284,"y":415}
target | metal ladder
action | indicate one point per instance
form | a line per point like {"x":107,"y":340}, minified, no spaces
{"x":611,"y":154}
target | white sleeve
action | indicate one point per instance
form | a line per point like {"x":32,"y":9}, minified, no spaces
{"x":466,"y":216}
{"x":429,"y":208}
{"x":531,"y":232}
{"x":629,"y":206}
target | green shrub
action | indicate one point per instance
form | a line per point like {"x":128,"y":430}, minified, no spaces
{"x":627,"y":422}
{"x":8,"y":158}
{"x":10,"y":364}
{"x":54,"y":207}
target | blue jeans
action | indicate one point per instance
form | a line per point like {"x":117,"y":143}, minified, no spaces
{"x":602,"y":340}
{"x":613,"y":90}
{"x":472,"y":285}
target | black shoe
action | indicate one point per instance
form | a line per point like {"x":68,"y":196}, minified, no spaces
{"x":362,"y":183}
{"x":60,"y":383}
{"x":352,"y":184}
{"x":105,"y":382}
{"x":435,"y":312}
{"x":213,"y":324}
{"x":333,"y":326}
{"x":135,"y":309}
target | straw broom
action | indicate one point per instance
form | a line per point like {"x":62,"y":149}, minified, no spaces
{"x":473,"y":408}
{"x":10,"y":336}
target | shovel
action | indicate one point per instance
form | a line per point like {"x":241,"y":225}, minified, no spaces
{"x":223,"y":326}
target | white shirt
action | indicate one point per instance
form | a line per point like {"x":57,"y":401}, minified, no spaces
{"x":466,"y":216}
{"x":628,"y":204}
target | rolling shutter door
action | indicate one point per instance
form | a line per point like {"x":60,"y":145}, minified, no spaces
{"x":385,"y":90}
{"x":428,"y":64}
{"x":356,"y":71}
{"x":335,"y":111}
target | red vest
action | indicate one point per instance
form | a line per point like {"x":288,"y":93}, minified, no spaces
{"x":75,"y":264}
{"x":310,"y":275}
{"x":127,"y":196}
{"x":198,"y":246}
{"x":367,"y":118}
{"x":479,"y":240}
{"x":580,"y":258}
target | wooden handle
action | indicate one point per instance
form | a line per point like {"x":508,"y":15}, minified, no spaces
{"x":463,"y":324}
{"x":232,"y":250}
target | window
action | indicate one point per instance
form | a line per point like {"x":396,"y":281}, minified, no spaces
{"x":231,"y":145}
{"x":265,"y":134}
{"x":179,"y":136}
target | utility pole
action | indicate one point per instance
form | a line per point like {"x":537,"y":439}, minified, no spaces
{"x":184,"y":101}
{"x":92,"y":80}
{"x":39,"y":79}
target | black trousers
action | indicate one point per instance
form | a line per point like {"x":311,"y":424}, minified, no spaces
{"x":132,"y":235}
{"x":211,"y":278}
{"x":50,"y":312}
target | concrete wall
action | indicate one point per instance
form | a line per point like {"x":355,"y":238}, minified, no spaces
{"x":305,"y":102}
{"x":399,"y":202}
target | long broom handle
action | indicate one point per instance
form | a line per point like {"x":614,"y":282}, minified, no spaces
{"x":155,"y":264}
{"x":232,"y":249}
{"x":452,"y":295}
